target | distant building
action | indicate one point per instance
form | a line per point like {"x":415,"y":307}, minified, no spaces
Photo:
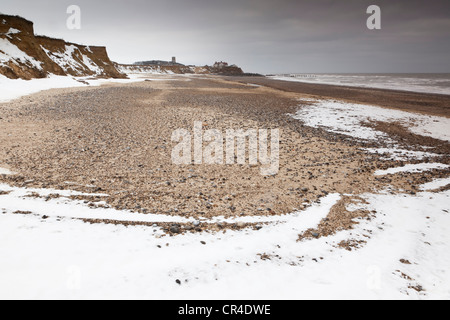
{"x":173,"y":62}
{"x":220,"y":65}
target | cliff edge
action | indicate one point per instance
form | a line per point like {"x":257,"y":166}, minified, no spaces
{"x":23,"y":55}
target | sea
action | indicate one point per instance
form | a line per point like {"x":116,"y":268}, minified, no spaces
{"x":438,"y":83}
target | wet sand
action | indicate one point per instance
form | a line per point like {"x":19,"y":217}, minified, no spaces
{"x":432,"y":104}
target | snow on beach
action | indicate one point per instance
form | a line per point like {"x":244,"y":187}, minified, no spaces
{"x":14,"y":89}
{"x":436,"y":184}
{"x":402,"y":250}
{"x":20,"y":199}
{"x":348,"y":119}
{"x":353,"y":120}
{"x":59,"y":257}
{"x":412,"y":168}
{"x":5,"y":171}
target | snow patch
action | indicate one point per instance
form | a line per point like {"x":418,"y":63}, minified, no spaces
{"x":69,"y":259}
{"x":91,"y":65}
{"x":5,"y":171}
{"x":65,"y":59}
{"x":10,"y":52}
{"x":17,"y":200}
{"x":412,"y":168}
{"x":347,"y":118}
{"x":11,"y":31}
{"x":13,"y":89}
{"x":140,"y":268}
{"x":435,"y":184}
{"x":16,"y":88}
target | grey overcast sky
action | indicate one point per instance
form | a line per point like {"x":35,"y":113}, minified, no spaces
{"x":265,"y":36}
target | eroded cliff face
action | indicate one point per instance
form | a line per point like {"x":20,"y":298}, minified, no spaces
{"x":26,"y":56}
{"x":179,"y":69}
{"x":137,"y":69}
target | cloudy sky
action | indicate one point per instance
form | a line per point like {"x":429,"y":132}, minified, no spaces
{"x":265,"y":36}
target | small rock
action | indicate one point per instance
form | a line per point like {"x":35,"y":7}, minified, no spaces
{"x":241,"y":224}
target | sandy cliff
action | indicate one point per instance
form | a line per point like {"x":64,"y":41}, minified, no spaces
{"x":178,"y":69}
{"x":153,"y":69}
{"x":23,"y":55}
